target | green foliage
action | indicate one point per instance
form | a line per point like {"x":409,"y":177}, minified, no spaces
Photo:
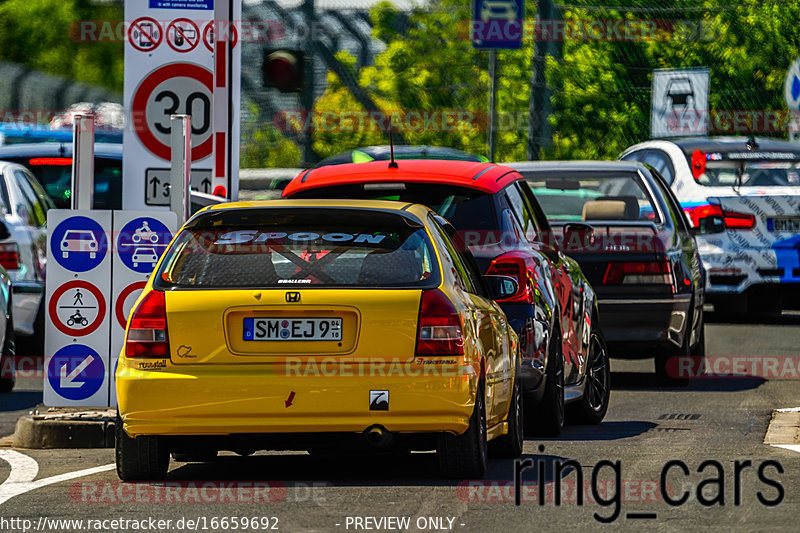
{"x":45,"y":35}
{"x":599,"y":90}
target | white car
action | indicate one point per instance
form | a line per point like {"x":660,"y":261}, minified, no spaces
{"x":23,"y":249}
{"x":80,"y":241}
{"x":144,"y":255}
{"x":743,"y":197}
{"x":499,"y":10}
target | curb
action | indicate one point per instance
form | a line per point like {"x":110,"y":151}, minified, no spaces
{"x":70,"y":429}
{"x":784,"y":427}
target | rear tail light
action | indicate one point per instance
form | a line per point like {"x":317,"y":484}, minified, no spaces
{"x":439,"y":326}
{"x":638,"y":273}
{"x":50,"y":161}
{"x":513,"y":267}
{"x":711,"y":215}
{"x":9,"y":256}
{"x":147,"y":331}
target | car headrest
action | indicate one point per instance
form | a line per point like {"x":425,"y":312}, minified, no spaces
{"x":604,"y":210}
{"x":631,"y":205}
{"x":401,"y":266}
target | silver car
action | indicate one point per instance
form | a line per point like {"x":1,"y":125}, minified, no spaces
{"x":23,"y":248}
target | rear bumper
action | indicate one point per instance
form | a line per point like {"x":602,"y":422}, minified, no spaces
{"x":251,"y":399}
{"x":733,"y":270}
{"x":644,"y":321}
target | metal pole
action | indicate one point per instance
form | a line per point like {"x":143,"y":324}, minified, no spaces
{"x":307,"y":96}
{"x":492,"y":100}
{"x":538,"y":104}
{"x":181,"y":166}
{"x":82,"y":186}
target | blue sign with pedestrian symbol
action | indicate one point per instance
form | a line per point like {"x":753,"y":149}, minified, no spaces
{"x":141,"y":243}
{"x":78,"y":244}
{"x":76,"y":372}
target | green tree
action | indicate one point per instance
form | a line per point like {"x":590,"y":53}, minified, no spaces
{"x":45,"y":35}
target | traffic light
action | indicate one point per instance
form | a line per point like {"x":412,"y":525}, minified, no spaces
{"x":283,"y":69}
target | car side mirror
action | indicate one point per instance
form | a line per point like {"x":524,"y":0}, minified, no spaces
{"x":500,"y":287}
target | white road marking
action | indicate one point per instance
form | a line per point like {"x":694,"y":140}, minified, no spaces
{"x":24,"y":470}
{"x":789,"y":410}
{"x":791,"y":447}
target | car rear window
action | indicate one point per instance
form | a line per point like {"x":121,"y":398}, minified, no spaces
{"x":751,"y":174}
{"x":594,"y":197}
{"x":297,"y":248}
{"x":55,"y":175}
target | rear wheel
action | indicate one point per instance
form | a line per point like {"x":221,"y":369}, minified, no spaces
{"x":144,"y":458}
{"x":7,"y":377}
{"x":510,"y":445}
{"x":546,"y":419}
{"x":592,"y":406}
{"x":465,"y":455}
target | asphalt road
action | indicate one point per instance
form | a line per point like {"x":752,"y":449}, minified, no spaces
{"x":718,"y":422}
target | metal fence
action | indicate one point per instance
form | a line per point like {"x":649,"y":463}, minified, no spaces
{"x":579,"y":86}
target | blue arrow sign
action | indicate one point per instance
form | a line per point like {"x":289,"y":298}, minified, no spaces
{"x":76,"y":372}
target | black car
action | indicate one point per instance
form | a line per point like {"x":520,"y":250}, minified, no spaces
{"x":51,"y":163}
{"x":495,"y":217}
{"x":623,"y":224}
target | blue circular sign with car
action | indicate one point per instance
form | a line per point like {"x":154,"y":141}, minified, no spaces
{"x":79,"y":244}
{"x":141,"y":243}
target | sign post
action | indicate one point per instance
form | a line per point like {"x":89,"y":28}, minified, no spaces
{"x":496,"y":26}
{"x":180,"y":174}
{"x":170,"y":69}
{"x":82,"y":187}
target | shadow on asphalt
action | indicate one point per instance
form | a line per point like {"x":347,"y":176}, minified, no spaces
{"x":18,"y":400}
{"x":346,"y":470}
{"x":647,"y":381}
{"x":603,"y":431}
{"x":787,"y":318}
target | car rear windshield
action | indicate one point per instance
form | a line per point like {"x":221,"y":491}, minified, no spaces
{"x":285,"y":248}
{"x":464,"y":207}
{"x":594,"y":197}
{"x":751,"y":174}
{"x":56,"y":179}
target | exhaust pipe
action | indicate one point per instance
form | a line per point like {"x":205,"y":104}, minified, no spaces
{"x":378,"y":436}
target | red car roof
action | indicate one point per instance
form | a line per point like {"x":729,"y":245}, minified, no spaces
{"x":486,"y":177}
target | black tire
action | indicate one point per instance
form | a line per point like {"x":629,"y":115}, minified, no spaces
{"x":34,"y":344}
{"x":591,"y":408}
{"x":509,"y":446}
{"x":203,"y":457}
{"x":7,"y":377}
{"x":546,"y":419}
{"x":699,"y":348}
{"x":465,"y":456}
{"x":144,"y":458}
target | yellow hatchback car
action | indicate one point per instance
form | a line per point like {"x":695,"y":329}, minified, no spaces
{"x":317,"y":325}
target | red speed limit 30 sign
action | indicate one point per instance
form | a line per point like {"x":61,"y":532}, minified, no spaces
{"x":181,"y":58}
{"x":182,"y":88}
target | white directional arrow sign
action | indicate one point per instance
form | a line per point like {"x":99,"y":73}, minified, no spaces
{"x":68,"y":381}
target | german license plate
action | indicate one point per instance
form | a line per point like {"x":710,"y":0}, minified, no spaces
{"x":790,"y":224}
{"x":292,"y":329}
